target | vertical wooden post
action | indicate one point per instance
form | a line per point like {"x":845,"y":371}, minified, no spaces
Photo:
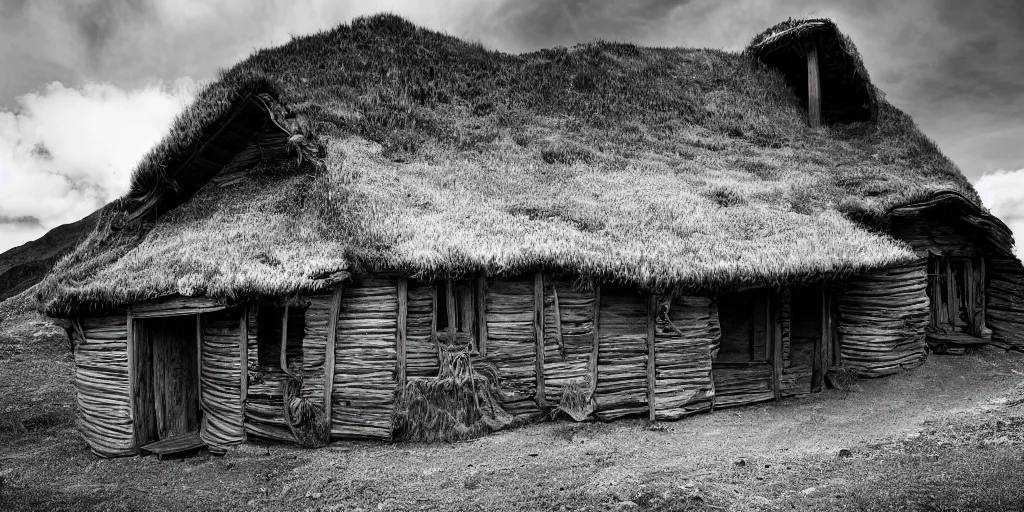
{"x":199,"y":359}
{"x":450,"y":304}
{"x":133,"y":377}
{"x":538,"y":330}
{"x":813,"y":85}
{"x":652,"y":317}
{"x":595,"y":348}
{"x":776,"y":343}
{"x":983,"y":330}
{"x":330,"y":354}
{"x":481,"y":315}
{"x":243,"y":359}
{"x":818,"y":361}
{"x":283,"y":358}
{"x":403,"y":315}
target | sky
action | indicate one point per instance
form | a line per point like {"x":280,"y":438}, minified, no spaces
{"x":88,"y":86}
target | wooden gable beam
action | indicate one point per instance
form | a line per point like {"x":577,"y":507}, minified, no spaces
{"x":813,"y":84}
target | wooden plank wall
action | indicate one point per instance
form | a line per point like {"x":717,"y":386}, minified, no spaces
{"x":568,"y":360}
{"x":314,"y":346}
{"x":420,"y":350}
{"x":622,"y":362}
{"x":932,"y":235}
{"x":102,"y":385}
{"x":882,"y":320}
{"x":264,"y":413}
{"x":682,"y":360}
{"x":221,"y":376}
{"x":1004,"y":304}
{"x":511,"y":345}
{"x":365,"y":358}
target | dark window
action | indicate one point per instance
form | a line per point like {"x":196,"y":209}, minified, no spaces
{"x":460,"y":300}
{"x":268,"y":334}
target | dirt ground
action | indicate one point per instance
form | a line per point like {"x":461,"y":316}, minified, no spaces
{"x":947,"y":436}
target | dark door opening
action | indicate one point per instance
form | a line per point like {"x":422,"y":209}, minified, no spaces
{"x":166,"y":379}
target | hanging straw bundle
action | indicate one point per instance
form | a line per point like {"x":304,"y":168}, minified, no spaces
{"x":304,"y":416}
{"x":463,"y":402}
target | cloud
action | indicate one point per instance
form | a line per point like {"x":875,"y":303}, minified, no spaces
{"x":67,"y":151}
{"x":1003,"y":194}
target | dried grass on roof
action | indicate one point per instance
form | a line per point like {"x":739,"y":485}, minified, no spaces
{"x":647,"y":166}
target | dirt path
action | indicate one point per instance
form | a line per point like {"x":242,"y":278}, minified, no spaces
{"x":948,"y":422}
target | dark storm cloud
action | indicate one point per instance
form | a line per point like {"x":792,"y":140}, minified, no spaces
{"x":23,"y":221}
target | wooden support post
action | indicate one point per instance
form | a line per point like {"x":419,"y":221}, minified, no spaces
{"x":330,"y":354}
{"x":652,"y":318}
{"x":538,"y":331}
{"x":775,"y":334}
{"x":133,"y":377}
{"x":481,"y":315}
{"x":818,"y":361}
{"x":199,"y":359}
{"x":558,"y":321}
{"x":595,"y":348}
{"x":283,"y":358}
{"x":450,"y":304}
{"x":983,"y":330}
{"x":403,"y":315}
{"x":243,"y":358}
{"x":813,"y":85}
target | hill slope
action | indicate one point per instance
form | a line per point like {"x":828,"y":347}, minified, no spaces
{"x":23,"y":266}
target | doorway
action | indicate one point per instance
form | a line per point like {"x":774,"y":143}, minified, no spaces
{"x":166,"y":361}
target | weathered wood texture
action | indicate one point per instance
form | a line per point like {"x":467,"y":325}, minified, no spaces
{"x":622,"y":366}
{"x":684,"y":334}
{"x":264,"y":410}
{"x":883,"y":317}
{"x":1004,"y":307}
{"x":314,"y":346}
{"x":175,"y":306}
{"x":801,"y":328}
{"x":420,"y":349}
{"x":538,"y":334}
{"x":221,"y":379}
{"x":365,"y":358}
{"x":511,"y":345}
{"x":929,"y":234}
{"x":813,"y":85}
{"x":101,"y":382}
{"x":742,"y":366}
{"x":566,"y":357}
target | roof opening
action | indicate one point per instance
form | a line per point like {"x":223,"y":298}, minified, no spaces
{"x":846,"y":93}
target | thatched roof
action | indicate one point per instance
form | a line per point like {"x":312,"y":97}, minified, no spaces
{"x":433,"y":156}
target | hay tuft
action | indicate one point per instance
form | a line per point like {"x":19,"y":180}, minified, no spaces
{"x":305,"y":416}
{"x":577,"y":400}
{"x":462,"y":402}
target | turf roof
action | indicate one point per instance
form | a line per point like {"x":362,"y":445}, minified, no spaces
{"x":653,"y":167}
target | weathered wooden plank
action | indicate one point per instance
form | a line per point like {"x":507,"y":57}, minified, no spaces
{"x":595,"y":349}
{"x":538,"y":332}
{"x":652,"y":312}
{"x":403,"y":314}
{"x":481,"y":315}
{"x":813,"y":85}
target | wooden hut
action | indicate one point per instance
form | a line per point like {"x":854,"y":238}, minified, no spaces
{"x":384,"y":232}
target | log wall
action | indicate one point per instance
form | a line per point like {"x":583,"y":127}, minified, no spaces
{"x":511,"y":343}
{"x":684,"y":335}
{"x":363,"y":396}
{"x":102,"y":385}
{"x":1005,"y":302}
{"x":420,"y":349}
{"x":928,"y":234}
{"x":264,"y":409}
{"x":221,"y":376}
{"x":568,"y":338}
{"x":882,"y":320}
{"x":622,"y":361}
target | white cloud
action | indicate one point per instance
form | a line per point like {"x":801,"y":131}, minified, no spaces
{"x":1003,"y":194}
{"x":67,"y":151}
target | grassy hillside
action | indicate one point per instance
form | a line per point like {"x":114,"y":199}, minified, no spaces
{"x":23,"y":266}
